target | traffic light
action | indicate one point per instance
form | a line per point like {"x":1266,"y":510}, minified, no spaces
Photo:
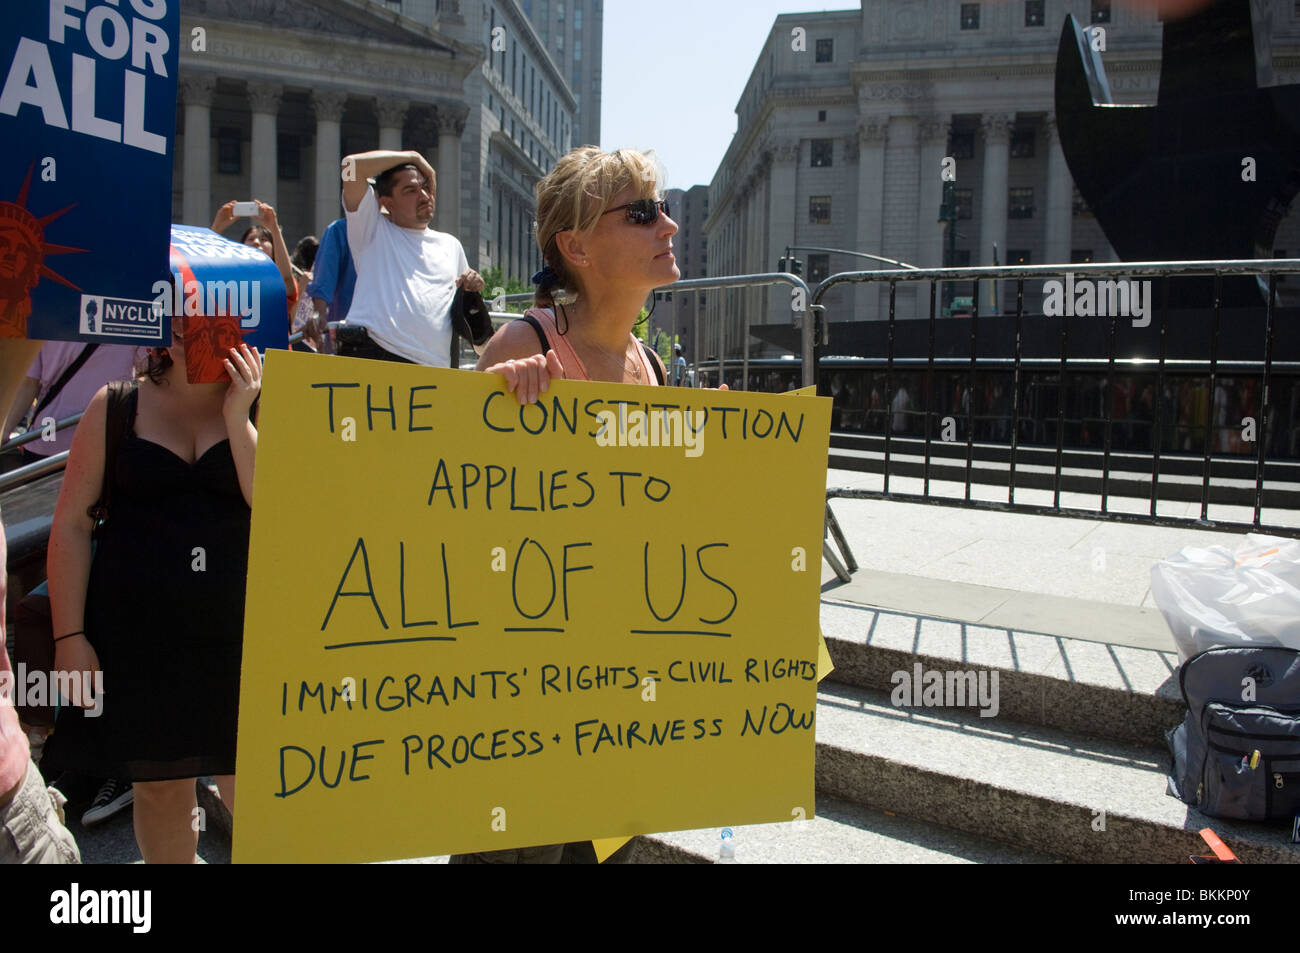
{"x":791,"y":266}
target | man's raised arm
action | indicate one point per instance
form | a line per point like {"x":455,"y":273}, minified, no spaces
{"x":366,"y":165}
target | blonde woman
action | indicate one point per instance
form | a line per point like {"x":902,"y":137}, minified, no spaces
{"x":606,"y":242}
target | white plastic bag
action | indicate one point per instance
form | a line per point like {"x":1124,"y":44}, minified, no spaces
{"x":1216,"y":596}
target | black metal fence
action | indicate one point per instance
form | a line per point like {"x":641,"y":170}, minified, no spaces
{"x":1206,"y":409}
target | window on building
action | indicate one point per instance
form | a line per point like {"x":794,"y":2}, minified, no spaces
{"x":965,"y":202}
{"x":821,"y":113}
{"x":1020,"y":203}
{"x":819,"y":210}
{"x":1034,"y":13}
{"x":819,"y":268}
{"x":288,"y":157}
{"x":229,"y":152}
{"x":1080,"y":256}
{"x":1022,"y":142}
{"x":577,"y":49}
{"x":559,"y":12}
{"x":1101,"y":11}
{"x":1019,"y":256}
{"x":822,"y":153}
{"x":956,"y":258}
{"x":961,"y":145}
{"x":577,"y":18}
{"x":826,"y":50}
{"x":1080,"y":206}
{"x":970,"y":16}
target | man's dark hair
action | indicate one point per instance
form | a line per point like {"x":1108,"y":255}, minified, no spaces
{"x":386,"y":180}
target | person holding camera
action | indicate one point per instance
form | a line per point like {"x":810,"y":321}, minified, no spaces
{"x":408,"y":275}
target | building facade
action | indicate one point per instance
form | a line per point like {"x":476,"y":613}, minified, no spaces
{"x":273,"y":93}
{"x":573,"y":33}
{"x":846,"y":121}
{"x":676,"y":314}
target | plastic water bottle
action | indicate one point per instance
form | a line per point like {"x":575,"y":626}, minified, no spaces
{"x":727,"y":853}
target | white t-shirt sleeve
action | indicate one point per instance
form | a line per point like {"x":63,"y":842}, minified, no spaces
{"x":363,"y":223}
{"x":462,"y":263}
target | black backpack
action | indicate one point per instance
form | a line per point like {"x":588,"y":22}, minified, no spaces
{"x":1237,"y":753}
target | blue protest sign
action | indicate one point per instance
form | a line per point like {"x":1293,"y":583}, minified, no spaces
{"x":88,"y":119}
{"x":215,"y":276}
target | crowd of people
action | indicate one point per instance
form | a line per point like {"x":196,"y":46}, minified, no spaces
{"x":159,"y":466}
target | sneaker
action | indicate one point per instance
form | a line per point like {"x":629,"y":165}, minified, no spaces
{"x":112,"y":797}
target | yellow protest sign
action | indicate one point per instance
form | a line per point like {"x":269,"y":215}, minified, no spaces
{"x":474,"y":626}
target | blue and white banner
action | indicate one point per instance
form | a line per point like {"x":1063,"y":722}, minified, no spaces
{"x":87,"y":123}
{"x":214,"y":276}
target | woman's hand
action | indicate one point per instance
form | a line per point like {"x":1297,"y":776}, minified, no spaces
{"x":529,"y":377}
{"x":225,"y":217}
{"x":244,"y":365}
{"x":75,"y":656}
{"x":266,"y":215}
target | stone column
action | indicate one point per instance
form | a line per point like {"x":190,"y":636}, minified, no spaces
{"x":1060,"y":206}
{"x":196,"y":170}
{"x":993,"y":201}
{"x":392,"y":115}
{"x":903,"y":165}
{"x":264,"y":101}
{"x":783,"y":172}
{"x":873,"y":133}
{"x":451,"y":123}
{"x":934,"y":133}
{"x":328,"y":106}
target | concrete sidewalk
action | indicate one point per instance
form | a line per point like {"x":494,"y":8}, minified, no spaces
{"x":1086,"y":579}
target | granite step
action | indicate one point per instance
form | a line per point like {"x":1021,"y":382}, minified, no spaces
{"x":1042,"y":789}
{"x":842,"y":833}
{"x":1093,"y":688}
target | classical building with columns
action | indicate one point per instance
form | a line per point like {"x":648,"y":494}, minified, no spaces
{"x":273,"y":93}
{"x":846,"y":120}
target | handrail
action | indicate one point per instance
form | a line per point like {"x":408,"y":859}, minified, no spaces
{"x":33,"y":471}
{"x":33,"y":435}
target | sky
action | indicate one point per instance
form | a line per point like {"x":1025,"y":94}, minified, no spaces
{"x":673,"y":71}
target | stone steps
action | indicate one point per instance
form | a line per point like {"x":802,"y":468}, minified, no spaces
{"x":1039,"y":788}
{"x":843,"y":832}
{"x":1094,"y":688}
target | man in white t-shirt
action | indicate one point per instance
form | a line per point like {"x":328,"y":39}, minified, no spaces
{"x":407,"y":274}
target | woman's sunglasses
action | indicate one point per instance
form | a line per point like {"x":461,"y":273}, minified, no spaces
{"x":642,"y":211}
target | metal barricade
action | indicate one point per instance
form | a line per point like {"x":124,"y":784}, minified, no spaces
{"x":801,"y":310}
{"x":1213,"y":368}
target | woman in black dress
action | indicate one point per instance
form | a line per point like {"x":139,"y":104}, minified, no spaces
{"x":161,"y":608}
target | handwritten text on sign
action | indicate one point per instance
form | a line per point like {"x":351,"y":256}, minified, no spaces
{"x":474,"y":626}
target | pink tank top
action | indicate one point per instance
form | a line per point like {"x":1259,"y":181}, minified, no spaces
{"x":569,"y":360}
{"x":13,"y":743}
